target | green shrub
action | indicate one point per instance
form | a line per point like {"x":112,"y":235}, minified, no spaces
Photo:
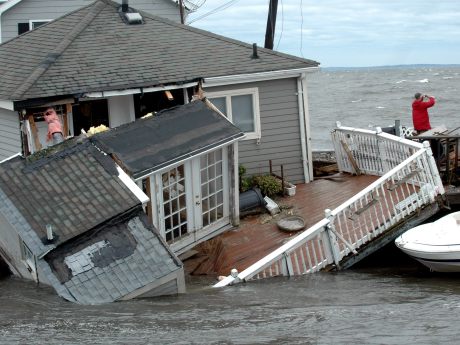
{"x":245,"y":182}
{"x":268,"y":185}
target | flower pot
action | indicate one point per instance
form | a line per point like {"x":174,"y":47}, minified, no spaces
{"x":289,"y":189}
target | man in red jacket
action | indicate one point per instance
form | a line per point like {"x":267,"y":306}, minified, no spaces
{"x":420,"y":116}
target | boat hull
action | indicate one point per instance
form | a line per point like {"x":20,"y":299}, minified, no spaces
{"x":435,"y":245}
{"x":438,"y":262}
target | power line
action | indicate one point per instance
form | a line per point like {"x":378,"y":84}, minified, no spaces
{"x":217,"y":9}
{"x":194,"y":5}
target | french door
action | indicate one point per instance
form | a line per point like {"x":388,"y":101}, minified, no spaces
{"x":192,"y":199}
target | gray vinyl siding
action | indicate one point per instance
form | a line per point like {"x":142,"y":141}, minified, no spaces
{"x":10,"y":137}
{"x":28,"y":10}
{"x":279,"y":118}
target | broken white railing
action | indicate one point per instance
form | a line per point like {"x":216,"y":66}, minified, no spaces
{"x":409,"y":181}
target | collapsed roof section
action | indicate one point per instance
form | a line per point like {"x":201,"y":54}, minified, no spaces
{"x":85,"y":227}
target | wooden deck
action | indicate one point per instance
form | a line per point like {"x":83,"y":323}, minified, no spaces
{"x":259,"y":235}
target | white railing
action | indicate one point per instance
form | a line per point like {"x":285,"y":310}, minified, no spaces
{"x":371,"y":152}
{"x":409,"y":180}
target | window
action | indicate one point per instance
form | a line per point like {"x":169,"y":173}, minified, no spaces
{"x":32,"y":24}
{"x":241,"y":107}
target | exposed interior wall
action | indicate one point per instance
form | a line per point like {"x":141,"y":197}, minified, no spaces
{"x":4,"y":269}
{"x":280,"y":141}
{"x":10,"y":245}
{"x":10,"y":137}
{"x":121,"y":110}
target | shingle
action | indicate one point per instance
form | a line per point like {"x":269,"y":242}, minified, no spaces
{"x":121,"y":55}
{"x":47,"y":201}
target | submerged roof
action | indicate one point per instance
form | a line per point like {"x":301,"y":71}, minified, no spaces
{"x":73,"y":190}
{"x":119,"y":260}
{"x":92,"y":49}
{"x":103,"y":248}
{"x":168,"y":137}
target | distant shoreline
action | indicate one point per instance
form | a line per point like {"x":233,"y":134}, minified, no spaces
{"x":389,"y":66}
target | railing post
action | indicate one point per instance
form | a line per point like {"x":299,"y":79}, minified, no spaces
{"x":338,"y":148}
{"x":433,"y":167}
{"x":333,"y":243}
{"x":287,"y":267}
{"x":382,"y":151}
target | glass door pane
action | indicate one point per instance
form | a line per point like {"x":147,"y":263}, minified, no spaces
{"x":212,"y":187}
{"x":174,"y":203}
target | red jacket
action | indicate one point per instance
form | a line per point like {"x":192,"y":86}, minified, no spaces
{"x":420,"y":113}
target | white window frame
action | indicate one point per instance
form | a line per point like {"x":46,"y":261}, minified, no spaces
{"x":254,"y":92}
{"x":32,"y":21}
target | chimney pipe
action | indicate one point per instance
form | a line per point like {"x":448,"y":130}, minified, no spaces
{"x":124,"y":5}
{"x":254,"y":51}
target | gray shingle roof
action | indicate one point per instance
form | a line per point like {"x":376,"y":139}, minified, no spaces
{"x":92,"y":49}
{"x":74,"y":190}
{"x":104,"y":248}
{"x":132,"y":256}
{"x":172,"y":135}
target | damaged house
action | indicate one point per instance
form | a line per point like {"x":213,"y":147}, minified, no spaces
{"x":137,"y":73}
{"x":72,"y":219}
{"x":185,"y":160}
{"x":103,"y":64}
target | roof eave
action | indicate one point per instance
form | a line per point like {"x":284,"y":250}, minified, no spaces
{"x":230,"y":140}
{"x":3,"y":8}
{"x":259,"y":76}
{"x":7,"y":5}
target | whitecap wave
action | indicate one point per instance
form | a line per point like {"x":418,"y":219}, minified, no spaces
{"x":356,"y":101}
{"x":401,"y":81}
{"x":447,"y":77}
{"x":380,"y":107}
{"x":423,"y":81}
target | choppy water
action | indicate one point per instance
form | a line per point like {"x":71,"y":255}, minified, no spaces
{"x":388,"y":300}
{"x":379,"y":96}
{"x":398,"y":304}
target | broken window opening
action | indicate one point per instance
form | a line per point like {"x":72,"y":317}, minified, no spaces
{"x":88,"y":114}
{"x":153,"y":102}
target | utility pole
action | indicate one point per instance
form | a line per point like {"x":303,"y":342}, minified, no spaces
{"x":271,"y":22}
{"x":181,"y":9}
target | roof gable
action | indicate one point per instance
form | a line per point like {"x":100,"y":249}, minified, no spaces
{"x":92,"y":49}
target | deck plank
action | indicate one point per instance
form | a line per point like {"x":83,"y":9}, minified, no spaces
{"x":252,"y":240}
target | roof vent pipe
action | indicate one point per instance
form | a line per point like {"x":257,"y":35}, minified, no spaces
{"x":124,"y":6}
{"x":254,"y":51}
{"x":49,"y":232}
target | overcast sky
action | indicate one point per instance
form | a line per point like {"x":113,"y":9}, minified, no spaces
{"x":345,"y":33}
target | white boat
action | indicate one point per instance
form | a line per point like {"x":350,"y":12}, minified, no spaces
{"x":436,"y":245}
